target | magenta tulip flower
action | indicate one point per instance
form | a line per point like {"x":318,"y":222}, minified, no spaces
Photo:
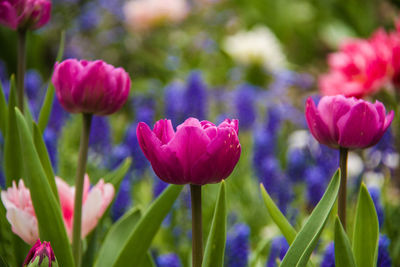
{"x":197,"y":153}
{"x":41,"y":255}
{"x":91,"y":87}
{"x":349,"y":123}
{"x":24,"y":14}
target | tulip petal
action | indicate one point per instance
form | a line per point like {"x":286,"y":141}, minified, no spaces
{"x":23,"y":224}
{"x":164,"y":131}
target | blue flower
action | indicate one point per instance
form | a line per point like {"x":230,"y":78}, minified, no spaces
{"x":376,"y":198}
{"x":237,"y":246}
{"x":297,"y":163}
{"x":118,"y":154}
{"x":100,"y":135}
{"x":58,"y":117}
{"x":123,"y":200}
{"x":173,"y":99}
{"x":90,"y":17}
{"x":168,"y":260}
{"x":51,"y":140}
{"x":195,"y":97}
{"x":144,"y":109}
{"x":384,"y":259}
{"x":316,"y":180}
{"x":159,"y":187}
{"x":328,"y":259}
{"x":140,"y":163}
{"x":279,"y":247}
{"x":245,"y":97}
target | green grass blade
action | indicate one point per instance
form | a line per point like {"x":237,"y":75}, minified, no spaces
{"x":115,"y":178}
{"x":143,"y":233}
{"x":366,"y":230}
{"x":343,"y":253}
{"x":303,"y":245}
{"x":215,"y":248}
{"x":48,"y":212}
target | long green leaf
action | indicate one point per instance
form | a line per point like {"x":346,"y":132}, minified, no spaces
{"x":286,"y":228}
{"x":116,"y":237}
{"x":215,"y":248}
{"x":115,"y":178}
{"x":303,"y":245}
{"x":3,"y":111}
{"x":45,"y":111}
{"x":13,"y":168}
{"x":143,"y":233}
{"x":6,"y":239}
{"x":48,"y":212}
{"x":366,"y":230}
{"x":343,"y":253}
{"x":44,"y":159}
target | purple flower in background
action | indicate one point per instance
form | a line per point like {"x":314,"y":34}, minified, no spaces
{"x":384,"y":259}
{"x":114,"y":7}
{"x":158,"y":187}
{"x":173,"y":102}
{"x":279,"y":247}
{"x":316,"y":180}
{"x":168,"y":260}
{"x":140,"y":163}
{"x":58,"y":117}
{"x":246,"y":111}
{"x":297,"y":163}
{"x":123,"y":199}
{"x":118,"y":154}
{"x":195,"y":97}
{"x":264,"y":146}
{"x":100,"y":135}
{"x":90,"y":17}
{"x":144,"y":109}
{"x":51,"y":140}
{"x":328,"y":259}
{"x":237,"y":246}
{"x":33,"y":84}
{"x":376,"y":198}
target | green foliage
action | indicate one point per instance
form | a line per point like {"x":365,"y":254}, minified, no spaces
{"x":3,"y":111}
{"x":215,"y":248}
{"x":44,"y":202}
{"x":303,"y":245}
{"x":343,"y":254}
{"x":366,"y":230}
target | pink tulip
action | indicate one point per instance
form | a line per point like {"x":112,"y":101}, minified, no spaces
{"x":360,"y":68}
{"x":24,"y":14}
{"x":90,"y":86}
{"x":21,"y":215}
{"x":41,"y":254}
{"x":347,"y":122}
{"x":197,"y":153}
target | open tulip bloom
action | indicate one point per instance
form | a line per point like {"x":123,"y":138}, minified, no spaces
{"x":346,"y":123}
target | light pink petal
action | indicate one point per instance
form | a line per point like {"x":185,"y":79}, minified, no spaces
{"x":67,"y":199}
{"x":23,"y":224}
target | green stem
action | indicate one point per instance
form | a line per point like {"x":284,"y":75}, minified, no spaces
{"x":80,"y":174}
{"x":343,"y":186}
{"x":21,"y":68}
{"x":197,"y":228}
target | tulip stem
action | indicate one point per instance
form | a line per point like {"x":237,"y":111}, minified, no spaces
{"x":197,"y":228}
{"x":21,"y":68}
{"x":79,"y":180}
{"x":343,"y":186}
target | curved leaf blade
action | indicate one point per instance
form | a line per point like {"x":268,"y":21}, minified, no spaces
{"x":366,"y":230}
{"x":115,"y":178}
{"x":44,"y":202}
{"x":215,"y":248}
{"x":143,"y":233}
{"x":303,"y":245}
{"x":3,"y":111}
{"x":343,"y":253}
{"x":280,"y":220}
{"x":116,"y":237}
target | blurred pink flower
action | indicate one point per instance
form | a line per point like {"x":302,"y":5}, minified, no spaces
{"x":142,"y":15}
{"x":21,"y":215}
{"x":41,"y":254}
{"x":90,"y":86}
{"x":360,"y":68}
{"x":197,"y":153}
{"x":351,"y":123}
{"x":24,"y":14}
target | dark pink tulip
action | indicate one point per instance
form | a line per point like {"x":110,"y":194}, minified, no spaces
{"x":351,"y":123}
{"x":24,"y":14}
{"x":41,"y":254}
{"x":197,"y":153}
{"x":90,"y":86}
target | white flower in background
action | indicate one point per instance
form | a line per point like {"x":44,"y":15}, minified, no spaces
{"x":142,"y":15}
{"x":374,"y":179}
{"x":355,"y":165}
{"x":259,"y":46}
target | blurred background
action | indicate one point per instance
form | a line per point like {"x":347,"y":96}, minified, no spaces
{"x":255,"y":60}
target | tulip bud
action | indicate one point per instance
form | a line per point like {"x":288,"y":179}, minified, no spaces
{"x":41,"y":255}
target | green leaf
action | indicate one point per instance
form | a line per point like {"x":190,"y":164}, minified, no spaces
{"x":44,"y":159}
{"x":366,"y":230}
{"x":303,"y":245}
{"x":215,"y":248}
{"x":286,"y":228}
{"x":6,"y":239}
{"x":148,"y":261}
{"x":48,"y":212}
{"x":116,"y":238}
{"x":45,"y":111}
{"x":144,"y":231}
{"x":115,"y":178}
{"x":12,"y":149}
{"x":3,"y":111}
{"x":343,"y":253}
